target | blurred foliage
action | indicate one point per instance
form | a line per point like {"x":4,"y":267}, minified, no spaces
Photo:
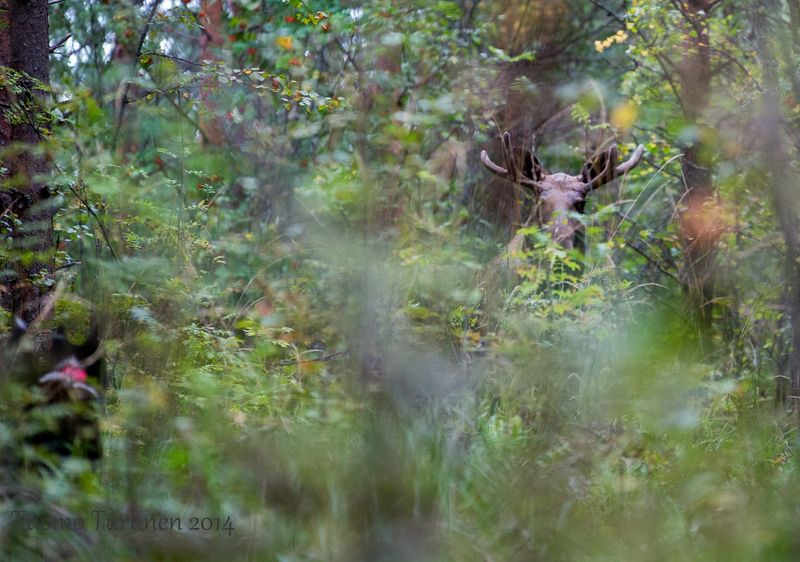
{"x":313,"y":334}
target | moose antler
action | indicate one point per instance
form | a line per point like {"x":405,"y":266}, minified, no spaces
{"x":611,"y":170}
{"x":512,"y":171}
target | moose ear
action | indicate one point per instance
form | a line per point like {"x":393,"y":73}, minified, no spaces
{"x":532,"y":167}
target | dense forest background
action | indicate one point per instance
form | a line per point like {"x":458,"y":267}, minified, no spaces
{"x":329,"y":330}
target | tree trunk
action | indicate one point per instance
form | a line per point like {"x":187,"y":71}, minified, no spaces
{"x":210,"y":40}
{"x":24,"y":48}
{"x":124,"y":57}
{"x":783,"y":184}
{"x":699,"y":214}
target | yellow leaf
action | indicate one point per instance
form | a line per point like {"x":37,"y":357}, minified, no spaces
{"x":284,"y":42}
{"x":624,"y":115}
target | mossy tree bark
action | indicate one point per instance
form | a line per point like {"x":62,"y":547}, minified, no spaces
{"x":27,"y":208}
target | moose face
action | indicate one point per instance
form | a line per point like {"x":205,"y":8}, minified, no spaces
{"x":557,"y":196}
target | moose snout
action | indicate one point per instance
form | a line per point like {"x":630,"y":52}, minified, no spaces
{"x":563,"y":229}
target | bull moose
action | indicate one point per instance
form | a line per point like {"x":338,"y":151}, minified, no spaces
{"x":557,"y":196}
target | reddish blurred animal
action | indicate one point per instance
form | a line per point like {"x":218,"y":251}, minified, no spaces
{"x":63,"y":417}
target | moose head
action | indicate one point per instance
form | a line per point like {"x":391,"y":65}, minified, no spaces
{"x":557,"y":195}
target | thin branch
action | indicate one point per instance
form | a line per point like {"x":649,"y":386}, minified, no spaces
{"x":185,"y":115}
{"x":733,"y":60}
{"x":60,"y":42}
{"x":608,"y":12}
{"x":348,"y":57}
{"x":102,"y":226}
{"x":655,"y":164}
{"x":653,"y":262}
{"x":173,"y":57}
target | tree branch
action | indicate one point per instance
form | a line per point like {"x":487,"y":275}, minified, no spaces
{"x":60,"y":42}
{"x":102,"y":226}
{"x":173,"y":57}
{"x":608,"y":12}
